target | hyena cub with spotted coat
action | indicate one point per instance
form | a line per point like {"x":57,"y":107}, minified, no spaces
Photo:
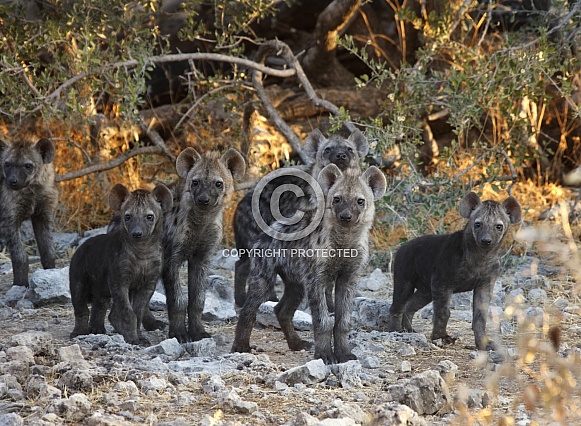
{"x":339,"y":247}
{"x":123,"y":265}
{"x":27,"y":191}
{"x":192,"y":232}
{"x":345,"y":153}
{"x":433,"y":267}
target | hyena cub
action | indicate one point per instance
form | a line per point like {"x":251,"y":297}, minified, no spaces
{"x":192,"y":232}
{"x":433,"y":267}
{"x":27,"y":191}
{"x":332,"y":256}
{"x":122,"y":265}
{"x":345,"y":153}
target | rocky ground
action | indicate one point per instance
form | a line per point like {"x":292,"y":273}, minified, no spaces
{"x":48,"y":378}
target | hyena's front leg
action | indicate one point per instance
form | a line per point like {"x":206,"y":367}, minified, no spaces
{"x":122,"y":316}
{"x":344,"y":294}
{"x":140,"y":304}
{"x":43,"y":235}
{"x":322,"y":320}
{"x":260,"y":280}
{"x":176,"y":306}
{"x":480,"y":303}
{"x":17,"y":254}
{"x":441,"y":300}
{"x":197,"y":277}
{"x":285,"y":310}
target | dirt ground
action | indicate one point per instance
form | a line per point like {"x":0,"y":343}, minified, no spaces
{"x":513,"y":383}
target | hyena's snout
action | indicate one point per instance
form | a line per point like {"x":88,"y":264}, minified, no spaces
{"x":141,"y":227}
{"x":346,"y":216}
{"x":203,"y":199}
{"x":136,"y":232}
{"x":486,"y":239}
{"x":14,"y":181}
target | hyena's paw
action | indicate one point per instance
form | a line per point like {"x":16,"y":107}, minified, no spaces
{"x":179,"y":333}
{"x":344,"y":356}
{"x":486,"y":344}
{"x":446,"y":340}
{"x":240,"y":347}
{"x":79,"y":332}
{"x":198,"y":335}
{"x":98,"y":330}
{"x":394,"y":324}
{"x":328,"y":357}
{"x":152,"y":325}
{"x":299,"y":345}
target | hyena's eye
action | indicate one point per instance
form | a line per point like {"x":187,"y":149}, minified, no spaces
{"x":499,"y":227}
{"x":361,"y":201}
{"x":336,"y":200}
{"x":477,"y":225}
{"x":219,"y":185}
{"x":195,"y":182}
{"x":29,"y":166}
{"x":350,"y":150}
{"x":150,"y":217}
{"x":127,"y":217}
{"x":327,"y":150}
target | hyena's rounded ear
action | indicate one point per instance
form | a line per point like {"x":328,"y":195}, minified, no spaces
{"x":117,"y":196}
{"x":234,"y":161}
{"x":360,"y":142}
{"x":163,"y":196}
{"x":186,"y":160}
{"x":375,"y":179}
{"x":313,"y":142}
{"x":468,"y":204}
{"x":328,"y":176}
{"x":46,"y":149}
{"x":512,"y":207}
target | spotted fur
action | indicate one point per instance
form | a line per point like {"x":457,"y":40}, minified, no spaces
{"x":345,"y":153}
{"x":348,"y":216}
{"x":192,"y":232}
{"x":123,"y":265}
{"x":433,"y":267}
{"x":27,"y":191}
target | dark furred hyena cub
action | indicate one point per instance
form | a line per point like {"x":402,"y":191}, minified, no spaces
{"x":339,"y":247}
{"x":345,"y":153}
{"x":123,"y":265}
{"x":27,"y":191}
{"x":192,"y":232}
{"x":433,"y":267}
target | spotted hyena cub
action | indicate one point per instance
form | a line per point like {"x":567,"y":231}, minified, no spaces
{"x":330,"y":257}
{"x":27,"y":191}
{"x":192,"y":232}
{"x":123,"y":265}
{"x":345,"y":153}
{"x":433,"y":267}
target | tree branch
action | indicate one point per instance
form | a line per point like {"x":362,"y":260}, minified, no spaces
{"x":284,"y":128}
{"x":157,"y":139}
{"x":164,"y":59}
{"x":116,"y":162}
